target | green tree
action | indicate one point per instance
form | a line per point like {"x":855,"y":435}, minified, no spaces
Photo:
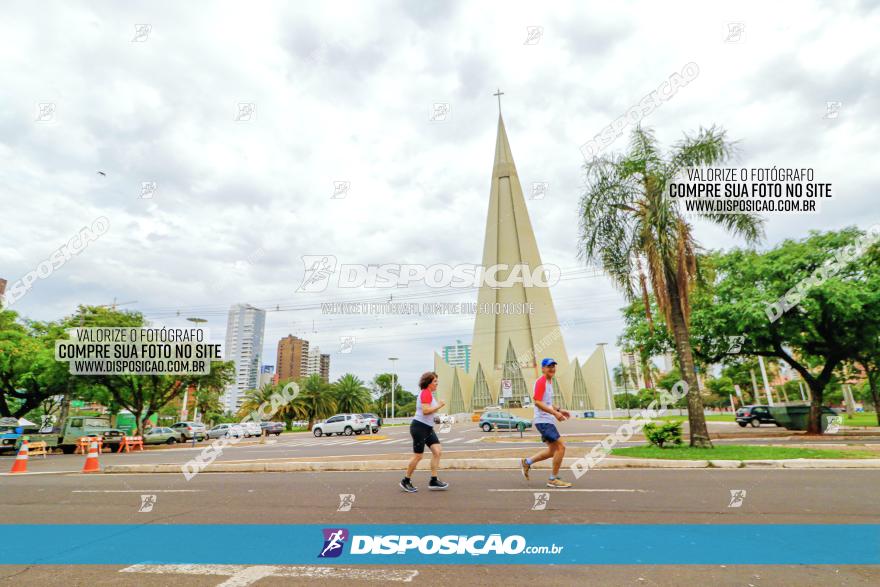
{"x":315,"y":400}
{"x":720,"y":389}
{"x":404,"y":401}
{"x":351,"y":395}
{"x":627,"y":220}
{"x":29,"y":374}
{"x":829,"y":321}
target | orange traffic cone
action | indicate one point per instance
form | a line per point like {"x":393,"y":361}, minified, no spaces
{"x":92,"y":465}
{"x":19,"y":465}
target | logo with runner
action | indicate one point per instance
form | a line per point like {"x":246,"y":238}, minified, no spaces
{"x":334,"y":541}
{"x":318,"y":269}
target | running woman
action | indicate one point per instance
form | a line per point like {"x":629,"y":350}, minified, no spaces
{"x":545,"y":421}
{"x":422,"y":432}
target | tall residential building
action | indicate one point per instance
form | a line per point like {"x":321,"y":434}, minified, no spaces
{"x":293,"y":358}
{"x":318,"y":364}
{"x":267,"y":375}
{"x":325,"y":367}
{"x":458,"y":355}
{"x":245,"y":328}
{"x":632,"y":371}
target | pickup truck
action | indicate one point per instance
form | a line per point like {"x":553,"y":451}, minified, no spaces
{"x":68,"y":434}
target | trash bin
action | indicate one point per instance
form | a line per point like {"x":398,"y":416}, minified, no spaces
{"x":797,"y":417}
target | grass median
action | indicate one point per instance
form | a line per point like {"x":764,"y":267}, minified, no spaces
{"x":734,"y":452}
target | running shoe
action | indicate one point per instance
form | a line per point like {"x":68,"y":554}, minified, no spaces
{"x":559,"y":483}
{"x":524,"y":467}
{"x":407,"y":486}
{"x":437,"y":485}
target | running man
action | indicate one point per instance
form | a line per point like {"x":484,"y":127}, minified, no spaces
{"x":545,"y":421}
{"x":422,"y":432}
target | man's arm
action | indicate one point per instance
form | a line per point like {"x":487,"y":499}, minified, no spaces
{"x":558,"y":414}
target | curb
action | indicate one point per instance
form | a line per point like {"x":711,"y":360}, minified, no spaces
{"x":495,"y":464}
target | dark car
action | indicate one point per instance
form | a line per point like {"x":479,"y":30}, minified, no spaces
{"x":275,"y":428}
{"x":754,"y":415}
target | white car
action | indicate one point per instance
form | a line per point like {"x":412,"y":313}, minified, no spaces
{"x":251,"y":429}
{"x":444,"y":419}
{"x":340,"y":424}
{"x":221,"y":430}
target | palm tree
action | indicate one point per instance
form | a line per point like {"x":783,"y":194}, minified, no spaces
{"x":351,"y":395}
{"x":254,"y":398}
{"x":627,"y":219}
{"x":315,"y":400}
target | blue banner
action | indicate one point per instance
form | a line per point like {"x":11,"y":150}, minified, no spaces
{"x":378,"y":544}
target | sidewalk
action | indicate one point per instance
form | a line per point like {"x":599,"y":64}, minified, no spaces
{"x":285,"y":466}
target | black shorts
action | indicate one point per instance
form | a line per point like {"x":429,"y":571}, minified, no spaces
{"x":422,"y":435}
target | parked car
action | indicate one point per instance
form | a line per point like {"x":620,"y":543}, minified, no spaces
{"x":161,"y":435}
{"x":755,"y":415}
{"x":444,"y":419}
{"x":374,"y":420}
{"x":275,"y":428}
{"x":340,"y":424}
{"x":502,"y":421}
{"x":186,"y":430}
{"x":221,"y":430}
{"x":251,"y":428}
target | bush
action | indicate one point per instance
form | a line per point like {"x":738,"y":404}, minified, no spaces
{"x":663,"y":434}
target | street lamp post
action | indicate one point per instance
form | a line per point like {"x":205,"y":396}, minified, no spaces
{"x":393,"y":374}
{"x":184,"y":411}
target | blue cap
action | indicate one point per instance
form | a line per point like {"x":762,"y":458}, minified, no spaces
{"x":547,"y":362}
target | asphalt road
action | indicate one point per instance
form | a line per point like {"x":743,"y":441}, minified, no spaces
{"x":463,"y":436}
{"x":701,"y":496}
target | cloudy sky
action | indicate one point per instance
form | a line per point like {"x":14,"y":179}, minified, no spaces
{"x":344,"y":92}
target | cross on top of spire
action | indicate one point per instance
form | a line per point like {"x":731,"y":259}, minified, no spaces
{"x":499,"y":93}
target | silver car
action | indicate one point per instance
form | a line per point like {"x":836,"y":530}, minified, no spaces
{"x":221,"y":430}
{"x":186,"y":431}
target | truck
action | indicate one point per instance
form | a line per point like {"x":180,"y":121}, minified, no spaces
{"x":66,"y":436}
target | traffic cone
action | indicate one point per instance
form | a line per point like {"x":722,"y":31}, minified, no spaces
{"x":19,"y":465}
{"x":92,"y":465}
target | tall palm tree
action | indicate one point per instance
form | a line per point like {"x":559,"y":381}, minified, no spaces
{"x":254,"y":398}
{"x":315,"y":400}
{"x":351,"y":395}
{"x":627,"y":219}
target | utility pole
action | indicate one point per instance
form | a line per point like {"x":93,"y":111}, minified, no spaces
{"x":184,"y":411}
{"x":393,"y":377}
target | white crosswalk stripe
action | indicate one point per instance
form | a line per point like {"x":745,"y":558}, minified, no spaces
{"x":473,"y":440}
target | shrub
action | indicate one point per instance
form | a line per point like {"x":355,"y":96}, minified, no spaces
{"x":663,"y":434}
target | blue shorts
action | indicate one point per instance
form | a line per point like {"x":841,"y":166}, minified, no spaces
{"x":549,"y":433}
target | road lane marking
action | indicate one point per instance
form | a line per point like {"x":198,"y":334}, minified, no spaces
{"x":243,"y":575}
{"x":137,"y":490}
{"x":577,"y":490}
{"x":473,"y":440}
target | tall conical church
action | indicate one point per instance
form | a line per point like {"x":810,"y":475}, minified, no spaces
{"x":507,"y":348}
